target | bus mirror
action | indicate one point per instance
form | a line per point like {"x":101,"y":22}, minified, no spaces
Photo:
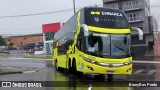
{"x":85,"y":29}
{"x":140,"y":32}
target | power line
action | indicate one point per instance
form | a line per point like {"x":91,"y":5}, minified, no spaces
{"x":43,"y":13}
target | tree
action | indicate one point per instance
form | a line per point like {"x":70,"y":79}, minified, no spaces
{"x":2,"y":42}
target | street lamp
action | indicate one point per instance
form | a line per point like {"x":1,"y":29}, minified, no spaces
{"x":74,"y":6}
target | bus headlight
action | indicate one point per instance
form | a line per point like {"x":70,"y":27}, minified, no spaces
{"x":88,"y":60}
{"x":127,"y":63}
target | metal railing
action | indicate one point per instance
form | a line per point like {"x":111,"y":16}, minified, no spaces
{"x":132,"y":7}
{"x":110,"y":0}
{"x":136,"y":19}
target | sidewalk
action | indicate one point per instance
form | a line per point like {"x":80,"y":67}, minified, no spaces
{"x":23,"y":54}
{"x":9,"y":70}
{"x":19,"y":55}
{"x":15,"y":70}
{"x":43,"y":56}
{"x":6,"y":52}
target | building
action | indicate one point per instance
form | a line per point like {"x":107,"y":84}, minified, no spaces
{"x":139,"y":15}
{"x":20,"y":41}
{"x":48,"y":35}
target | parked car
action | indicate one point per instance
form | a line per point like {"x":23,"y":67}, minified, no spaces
{"x":31,"y":47}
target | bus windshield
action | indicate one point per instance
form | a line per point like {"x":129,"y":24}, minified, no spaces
{"x":109,"y":45}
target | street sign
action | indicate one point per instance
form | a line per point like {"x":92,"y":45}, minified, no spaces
{"x":49,"y":36}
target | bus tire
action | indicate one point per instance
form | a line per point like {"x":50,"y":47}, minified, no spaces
{"x":110,"y":77}
{"x":56,"y":65}
{"x":74,"y":69}
{"x":69,"y":65}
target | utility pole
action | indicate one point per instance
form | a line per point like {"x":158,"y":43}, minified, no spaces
{"x":74,"y":6}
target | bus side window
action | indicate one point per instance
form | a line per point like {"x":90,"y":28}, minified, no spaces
{"x":80,"y":41}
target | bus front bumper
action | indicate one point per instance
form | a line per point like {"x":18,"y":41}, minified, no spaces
{"x":98,"y":69}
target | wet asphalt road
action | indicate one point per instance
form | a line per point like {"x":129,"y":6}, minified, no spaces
{"x":45,"y":72}
{"x":42,"y":70}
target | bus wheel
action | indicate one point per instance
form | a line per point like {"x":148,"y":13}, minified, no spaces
{"x":74,"y":70}
{"x":56,"y":65}
{"x":69,"y":66}
{"x":110,"y":77}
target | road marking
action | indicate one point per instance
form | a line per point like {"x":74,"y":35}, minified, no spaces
{"x":137,"y":72}
{"x":29,"y":71}
{"x":28,"y":58}
{"x":153,"y":62}
{"x":151,"y":72}
{"x":90,"y":87}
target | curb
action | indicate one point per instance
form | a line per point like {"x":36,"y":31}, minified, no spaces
{"x":29,"y":58}
{"x":29,"y":71}
{"x":18,"y":72}
{"x":4,"y":73}
{"x":5,"y":52}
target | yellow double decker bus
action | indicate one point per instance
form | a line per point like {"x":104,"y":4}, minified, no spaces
{"x":95,"y":41}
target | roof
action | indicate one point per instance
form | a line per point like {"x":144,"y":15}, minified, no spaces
{"x":28,"y":35}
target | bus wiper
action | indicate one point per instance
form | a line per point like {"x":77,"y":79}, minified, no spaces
{"x":122,"y":50}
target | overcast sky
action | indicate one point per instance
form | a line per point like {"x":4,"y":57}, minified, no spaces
{"x":33,"y":24}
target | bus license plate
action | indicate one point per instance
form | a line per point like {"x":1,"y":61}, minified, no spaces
{"x":110,"y":72}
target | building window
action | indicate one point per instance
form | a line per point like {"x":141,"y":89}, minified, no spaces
{"x":137,"y":25}
{"x":133,"y":16}
{"x":140,"y":26}
{"x":132,"y":4}
{"x":114,"y":6}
